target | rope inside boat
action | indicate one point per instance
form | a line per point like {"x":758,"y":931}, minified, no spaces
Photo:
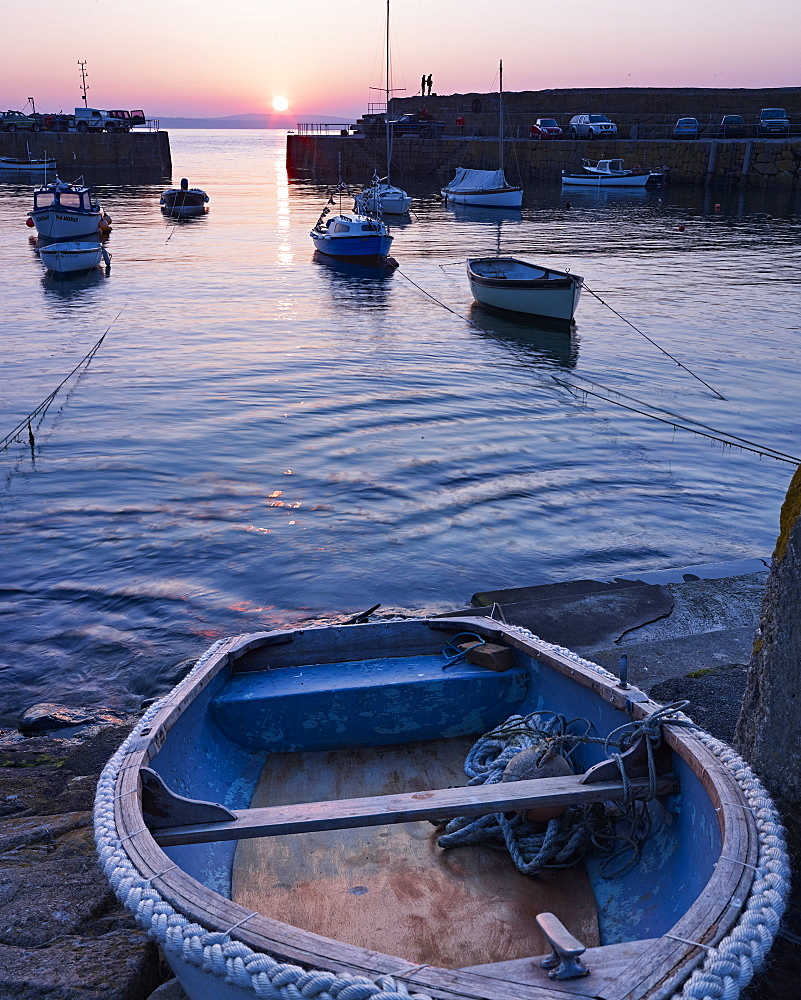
{"x":614,"y":831}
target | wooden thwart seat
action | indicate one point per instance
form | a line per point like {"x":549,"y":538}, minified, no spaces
{"x":409,"y":807}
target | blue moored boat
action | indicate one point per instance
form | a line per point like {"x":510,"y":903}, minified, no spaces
{"x":318,"y":812}
{"x":351,"y":236}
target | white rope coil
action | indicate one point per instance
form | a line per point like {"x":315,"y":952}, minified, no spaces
{"x":725,"y":971}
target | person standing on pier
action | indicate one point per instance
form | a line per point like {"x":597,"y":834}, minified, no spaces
{"x":428,"y":84}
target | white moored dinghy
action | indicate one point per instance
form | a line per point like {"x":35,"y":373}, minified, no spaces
{"x":517,"y":286}
{"x":70,"y":258}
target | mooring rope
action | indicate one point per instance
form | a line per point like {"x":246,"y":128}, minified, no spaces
{"x":14,"y":434}
{"x":722,"y":437}
{"x":731,"y":441}
{"x":652,"y":341}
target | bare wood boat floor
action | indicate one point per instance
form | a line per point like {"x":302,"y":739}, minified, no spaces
{"x":391,"y":888}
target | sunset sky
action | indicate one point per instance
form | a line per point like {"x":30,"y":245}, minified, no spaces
{"x":205,"y":58}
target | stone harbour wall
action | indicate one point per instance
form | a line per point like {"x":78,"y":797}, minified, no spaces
{"x":627,"y":106}
{"x":419,"y":162}
{"x":102,"y":158}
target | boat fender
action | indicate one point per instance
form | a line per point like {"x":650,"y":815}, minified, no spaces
{"x":105,"y":224}
{"x":532,"y":763}
{"x":391,"y":262}
{"x":29,"y":222}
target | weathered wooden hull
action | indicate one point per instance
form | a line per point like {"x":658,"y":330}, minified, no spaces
{"x":320,"y":691}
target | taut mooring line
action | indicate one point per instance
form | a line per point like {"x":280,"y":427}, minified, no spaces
{"x":26,"y":421}
{"x":703,"y":430}
{"x":651,"y":341}
{"x":729,"y":440}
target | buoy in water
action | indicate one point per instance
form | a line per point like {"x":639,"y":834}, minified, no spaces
{"x":717,"y":208}
{"x":531,"y":763}
{"x":29,"y":222}
{"x":681,"y":229}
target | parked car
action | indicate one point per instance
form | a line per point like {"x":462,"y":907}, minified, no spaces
{"x":544,"y":128}
{"x":127,"y":120}
{"x":731,"y":127}
{"x":686,"y":128}
{"x":16,"y":121}
{"x":413,"y":122}
{"x":592,"y":127}
{"x":773,"y":121}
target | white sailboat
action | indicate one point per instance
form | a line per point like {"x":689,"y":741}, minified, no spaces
{"x":488,"y":188}
{"x":383,"y":197}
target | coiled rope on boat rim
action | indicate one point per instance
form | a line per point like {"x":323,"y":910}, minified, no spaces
{"x":726,"y":969}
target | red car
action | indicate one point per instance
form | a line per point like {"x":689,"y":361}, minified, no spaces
{"x":544,"y":128}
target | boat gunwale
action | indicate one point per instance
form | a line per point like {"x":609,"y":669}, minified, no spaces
{"x":656,"y":972}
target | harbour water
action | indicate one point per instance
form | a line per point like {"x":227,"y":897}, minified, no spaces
{"x":264,"y":438}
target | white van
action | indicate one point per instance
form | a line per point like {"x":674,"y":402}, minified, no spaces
{"x":592,"y":127}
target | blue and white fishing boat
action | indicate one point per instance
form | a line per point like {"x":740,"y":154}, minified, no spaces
{"x":610,"y":174}
{"x":63,"y":211}
{"x":318,"y":812}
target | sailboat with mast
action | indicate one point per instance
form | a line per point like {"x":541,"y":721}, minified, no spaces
{"x":487,"y":188}
{"x":383,"y":197}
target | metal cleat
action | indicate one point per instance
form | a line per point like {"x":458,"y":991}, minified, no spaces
{"x":564,"y":962}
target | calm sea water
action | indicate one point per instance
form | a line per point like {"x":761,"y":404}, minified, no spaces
{"x":263,"y":438}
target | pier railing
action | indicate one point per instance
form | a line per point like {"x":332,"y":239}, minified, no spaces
{"x":324,"y":128}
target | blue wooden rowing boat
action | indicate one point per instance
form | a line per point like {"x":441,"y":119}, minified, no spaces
{"x":326,"y":812}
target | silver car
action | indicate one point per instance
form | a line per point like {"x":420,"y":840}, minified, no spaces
{"x":592,"y":127}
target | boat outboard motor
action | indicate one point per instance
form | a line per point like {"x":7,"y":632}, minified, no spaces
{"x":184,"y":184}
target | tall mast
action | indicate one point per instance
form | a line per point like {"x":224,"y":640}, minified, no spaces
{"x":500,"y":109}
{"x":84,"y":88}
{"x":386,"y":116}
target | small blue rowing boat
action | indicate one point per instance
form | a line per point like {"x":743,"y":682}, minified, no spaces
{"x":357,"y":811}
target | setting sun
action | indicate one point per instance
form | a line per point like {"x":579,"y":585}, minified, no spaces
{"x":280,"y":103}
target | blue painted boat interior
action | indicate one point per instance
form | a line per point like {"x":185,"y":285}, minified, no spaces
{"x":217,"y":748}
{"x":370,"y":702}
